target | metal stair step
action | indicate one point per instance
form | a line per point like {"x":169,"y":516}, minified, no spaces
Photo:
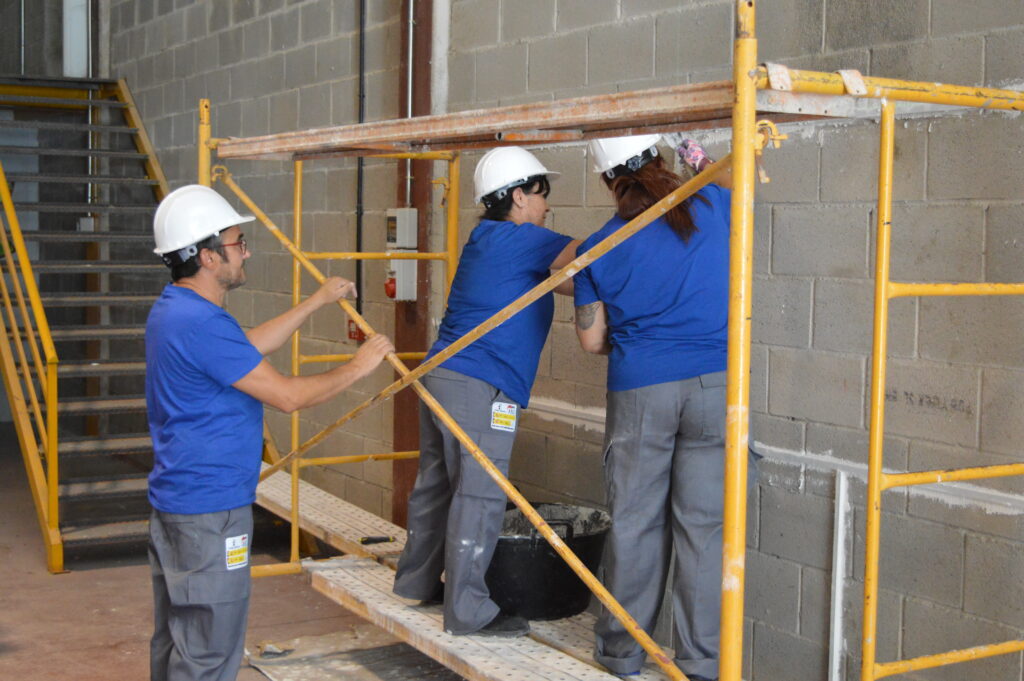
{"x":34,"y":207}
{"x":75,"y":179}
{"x":67,"y":82}
{"x":80,"y":333}
{"x":121,"y":444}
{"x":104,"y":489}
{"x":65,"y":151}
{"x":101,"y":405}
{"x":107,"y":533}
{"x":6,"y":99}
{"x":71,"y":127}
{"x":100,"y":368}
{"x":52,"y":236}
{"x":75,"y":266}
{"x":94,"y":299}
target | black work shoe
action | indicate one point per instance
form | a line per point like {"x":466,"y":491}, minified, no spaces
{"x":506,"y":626}
{"x":436,"y":598}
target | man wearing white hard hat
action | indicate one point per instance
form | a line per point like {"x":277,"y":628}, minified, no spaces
{"x":456,"y":509}
{"x":206,"y":384}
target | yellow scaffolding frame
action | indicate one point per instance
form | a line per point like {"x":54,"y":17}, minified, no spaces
{"x":664,"y":108}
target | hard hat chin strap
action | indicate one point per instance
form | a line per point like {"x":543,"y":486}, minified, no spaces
{"x":632,"y":164}
{"x":180,"y":256}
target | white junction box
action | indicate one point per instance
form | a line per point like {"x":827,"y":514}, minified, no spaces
{"x":403,"y":275}
{"x":401,"y":228}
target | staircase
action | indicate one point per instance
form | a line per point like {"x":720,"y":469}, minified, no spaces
{"x":83,"y":186}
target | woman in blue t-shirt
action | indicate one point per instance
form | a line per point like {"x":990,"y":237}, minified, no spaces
{"x":456,"y":509}
{"x":658,"y":306}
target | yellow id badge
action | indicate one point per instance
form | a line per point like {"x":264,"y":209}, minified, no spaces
{"x":236,"y":551}
{"x":503,"y":416}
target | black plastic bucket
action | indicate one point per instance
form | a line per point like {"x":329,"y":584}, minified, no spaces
{"x":529,"y":579}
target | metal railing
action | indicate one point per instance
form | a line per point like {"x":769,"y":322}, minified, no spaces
{"x":28,"y":356}
{"x":30,"y":378}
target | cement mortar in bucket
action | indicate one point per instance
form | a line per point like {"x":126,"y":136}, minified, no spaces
{"x":527,"y":578}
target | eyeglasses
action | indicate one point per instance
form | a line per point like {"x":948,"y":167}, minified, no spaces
{"x":242,"y":248}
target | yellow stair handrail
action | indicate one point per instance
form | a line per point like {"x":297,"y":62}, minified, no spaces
{"x":43,"y":440}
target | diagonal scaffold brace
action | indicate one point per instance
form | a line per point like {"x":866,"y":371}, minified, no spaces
{"x":411,"y":377}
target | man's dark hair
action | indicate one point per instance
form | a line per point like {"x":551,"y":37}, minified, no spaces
{"x":190,"y":266}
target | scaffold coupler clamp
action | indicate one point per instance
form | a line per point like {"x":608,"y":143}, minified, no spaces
{"x":767,"y":134}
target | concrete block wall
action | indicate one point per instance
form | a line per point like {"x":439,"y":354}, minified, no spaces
{"x":271,"y":66}
{"x":953,"y":388}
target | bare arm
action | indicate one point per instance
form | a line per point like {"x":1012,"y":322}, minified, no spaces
{"x":289,"y":393}
{"x":273,"y":333}
{"x":592,"y":328}
{"x":567,"y":255}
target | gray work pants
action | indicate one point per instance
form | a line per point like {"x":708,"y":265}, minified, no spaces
{"x":664,"y":468}
{"x":456,"y":509}
{"x":199,"y":605}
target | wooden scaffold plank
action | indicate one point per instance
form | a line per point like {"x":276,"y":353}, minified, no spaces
{"x":332,"y":520}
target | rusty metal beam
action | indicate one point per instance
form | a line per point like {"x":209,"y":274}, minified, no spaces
{"x":661,"y":106}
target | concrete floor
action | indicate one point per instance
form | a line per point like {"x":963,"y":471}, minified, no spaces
{"x":94,"y":622}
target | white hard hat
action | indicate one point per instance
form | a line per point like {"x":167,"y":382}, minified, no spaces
{"x":504,"y":168}
{"x":611,"y":152}
{"x":189,"y":215}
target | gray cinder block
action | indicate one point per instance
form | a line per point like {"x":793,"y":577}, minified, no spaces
{"x":918,"y":557}
{"x":957,"y":60}
{"x":558,"y":62}
{"x":621,"y":52}
{"x":525,"y":19}
{"x":693,"y":38}
{"x":782,"y":314}
{"x":820,"y":240}
{"x":772,"y":591}
{"x":816,"y":386}
{"x":850,"y":23}
{"x":844,"y":318}
{"x":796,"y":527}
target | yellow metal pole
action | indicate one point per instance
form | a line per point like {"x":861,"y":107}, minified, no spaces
{"x":741,"y":247}
{"x":951,"y":657}
{"x":451,"y":239}
{"x":892,"y":89}
{"x":559,"y":546}
{"x":629,"y":229}
{"x":204,"y":143}
{"x":901,"y":289}
{"x":385,"y":255}
{"x":312,"y":359}
{"x":296,"y":365}
{"x":890,"y":480}
{"x":276,"y":569}
{"x":877,"y":406}
{"x":356,"y":458}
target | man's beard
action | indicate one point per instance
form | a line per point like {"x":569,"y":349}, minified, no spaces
{"x":231,"y":283}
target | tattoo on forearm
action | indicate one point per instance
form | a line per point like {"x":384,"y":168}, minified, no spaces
{"x":585,"y":315}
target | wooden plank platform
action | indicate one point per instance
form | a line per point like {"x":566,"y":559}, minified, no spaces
{"x":364,"y":587}
{"x":332,"y":520}
{"x":559,"y":650}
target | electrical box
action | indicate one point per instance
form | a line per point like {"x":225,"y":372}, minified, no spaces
{"x":401,"y":280}
{"x":401,"y":228}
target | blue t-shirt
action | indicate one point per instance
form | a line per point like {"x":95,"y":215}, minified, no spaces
{"x":207,"y":435}
{"x":500,"y":262}
{"x":666,"y":300}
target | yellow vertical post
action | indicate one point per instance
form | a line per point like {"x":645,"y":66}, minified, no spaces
{"x":204,"y":143}
{"x":296,"y":299}
{"x":741,"y":246}
{"x":452,"y":231}
{"x":55,"y":553}
{"x":878,"y":356}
